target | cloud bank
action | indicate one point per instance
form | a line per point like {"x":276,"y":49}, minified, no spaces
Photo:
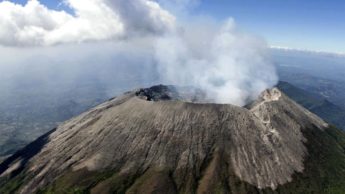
{"x":230,"y":65}
{"x":34,"y":24}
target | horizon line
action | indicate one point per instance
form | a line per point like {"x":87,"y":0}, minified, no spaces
{"x":284,"y":48}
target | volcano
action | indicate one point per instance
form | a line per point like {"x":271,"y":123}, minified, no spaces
{"x":166,"y":139}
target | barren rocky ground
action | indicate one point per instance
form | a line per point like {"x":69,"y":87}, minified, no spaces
{"x":160,"y":140}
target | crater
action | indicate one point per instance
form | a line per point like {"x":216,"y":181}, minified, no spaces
{"x":173,"y":93}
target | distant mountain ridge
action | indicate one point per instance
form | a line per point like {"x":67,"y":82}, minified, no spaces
{"x":316,"y":104}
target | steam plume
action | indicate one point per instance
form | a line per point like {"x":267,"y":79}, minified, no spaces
{"x":231,"y":66}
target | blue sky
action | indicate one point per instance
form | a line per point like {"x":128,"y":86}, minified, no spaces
{"x":48,"y":3}
{"x":52,"y":4}
{"x":308,"y":24}
{"x":305,"y":24}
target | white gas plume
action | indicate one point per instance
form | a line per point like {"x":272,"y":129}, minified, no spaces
{"x":230,"y":65}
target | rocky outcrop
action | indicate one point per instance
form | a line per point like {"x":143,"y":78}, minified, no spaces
{"x":153,"y":140}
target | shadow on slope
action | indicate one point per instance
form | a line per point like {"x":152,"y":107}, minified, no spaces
{"x":25,"y":155}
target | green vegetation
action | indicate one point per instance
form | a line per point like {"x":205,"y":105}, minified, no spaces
{"x":76,"y":182}
{"x":10,"y":187}
{"x":325,"y":166}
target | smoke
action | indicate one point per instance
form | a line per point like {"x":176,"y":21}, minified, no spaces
{"x":230,"y":65}
{"x":128,"y":43}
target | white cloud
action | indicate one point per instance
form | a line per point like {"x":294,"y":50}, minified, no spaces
{"x":35,"y":24}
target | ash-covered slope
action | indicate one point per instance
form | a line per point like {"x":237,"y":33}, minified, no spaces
{"x":157,"y":141}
